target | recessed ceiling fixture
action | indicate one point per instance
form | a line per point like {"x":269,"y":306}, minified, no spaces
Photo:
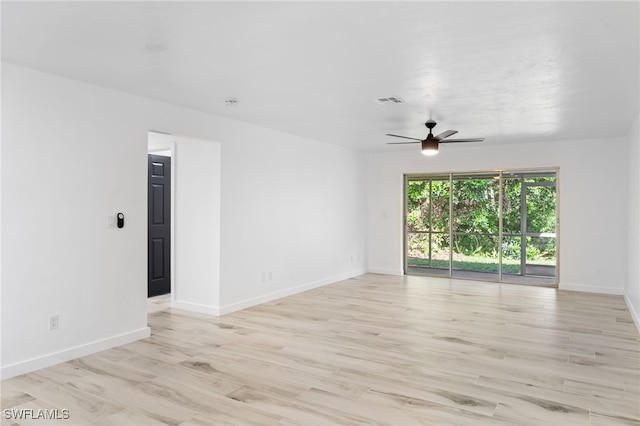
{"x":431,"y":142}
{"x":231,"y":102}
{"x":392,"y":99}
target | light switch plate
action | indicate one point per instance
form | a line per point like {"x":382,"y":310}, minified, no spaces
{"x":111,"y":221}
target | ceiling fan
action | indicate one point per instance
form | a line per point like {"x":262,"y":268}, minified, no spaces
{"x":430,"y":144}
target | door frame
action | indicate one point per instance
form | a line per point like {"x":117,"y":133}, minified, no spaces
{"x":164,"y":142}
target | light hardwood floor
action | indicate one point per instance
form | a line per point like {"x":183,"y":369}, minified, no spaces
{"x":370,"y":350}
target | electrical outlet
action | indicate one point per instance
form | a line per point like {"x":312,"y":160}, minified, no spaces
{"x":54,"y":322}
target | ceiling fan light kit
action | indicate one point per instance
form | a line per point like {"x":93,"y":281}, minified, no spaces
{"x":429,"y":147}
{"x":430,"y":143}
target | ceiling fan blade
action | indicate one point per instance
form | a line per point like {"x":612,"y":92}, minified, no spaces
{"x":404,"y":137}
{"x":462,"y":140}
{"x":401,"y":143}
{"x":446,"y":134}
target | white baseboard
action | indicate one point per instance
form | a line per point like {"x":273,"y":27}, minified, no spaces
{"x":196,"y":307}
{"x":590,"y":289}
{"x":244,"y":304}
{"x":385,"y":271}
{"x":633,"y":312}
{"x":65,"y":355}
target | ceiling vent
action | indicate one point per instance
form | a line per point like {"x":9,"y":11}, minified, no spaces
{"x":392,"y":99}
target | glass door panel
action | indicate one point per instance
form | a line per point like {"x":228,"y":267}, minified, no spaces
{"x":475,"y":225}
{"x":540,"y":251}
{"x":511,"y":225}
{"x":427,"y":226}
{"x":528,"y":226}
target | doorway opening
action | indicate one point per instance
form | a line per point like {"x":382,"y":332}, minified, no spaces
{"x":194,"y":217}
{"x":160,"y":214}
{"x":495,"y":226}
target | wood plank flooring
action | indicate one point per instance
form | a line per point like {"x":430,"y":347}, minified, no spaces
{"x":375,"y":349}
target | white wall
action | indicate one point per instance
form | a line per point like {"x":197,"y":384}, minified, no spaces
{"x":293,"y":210}
{"x":69,"y":160}
{"x":592,"y":193}
{"x":632,"y":283}
{"x":73,"y":153}
{"x":196,"y":230}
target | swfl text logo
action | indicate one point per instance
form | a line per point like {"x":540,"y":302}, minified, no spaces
{"x":40,"y":414}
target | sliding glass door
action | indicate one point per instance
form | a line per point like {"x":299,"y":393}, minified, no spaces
{"x":496,"y":226}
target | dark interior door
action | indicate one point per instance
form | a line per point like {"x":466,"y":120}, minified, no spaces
{"x":159,"y":224}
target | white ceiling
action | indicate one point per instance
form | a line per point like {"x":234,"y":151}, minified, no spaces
{"x":506,"y":71}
